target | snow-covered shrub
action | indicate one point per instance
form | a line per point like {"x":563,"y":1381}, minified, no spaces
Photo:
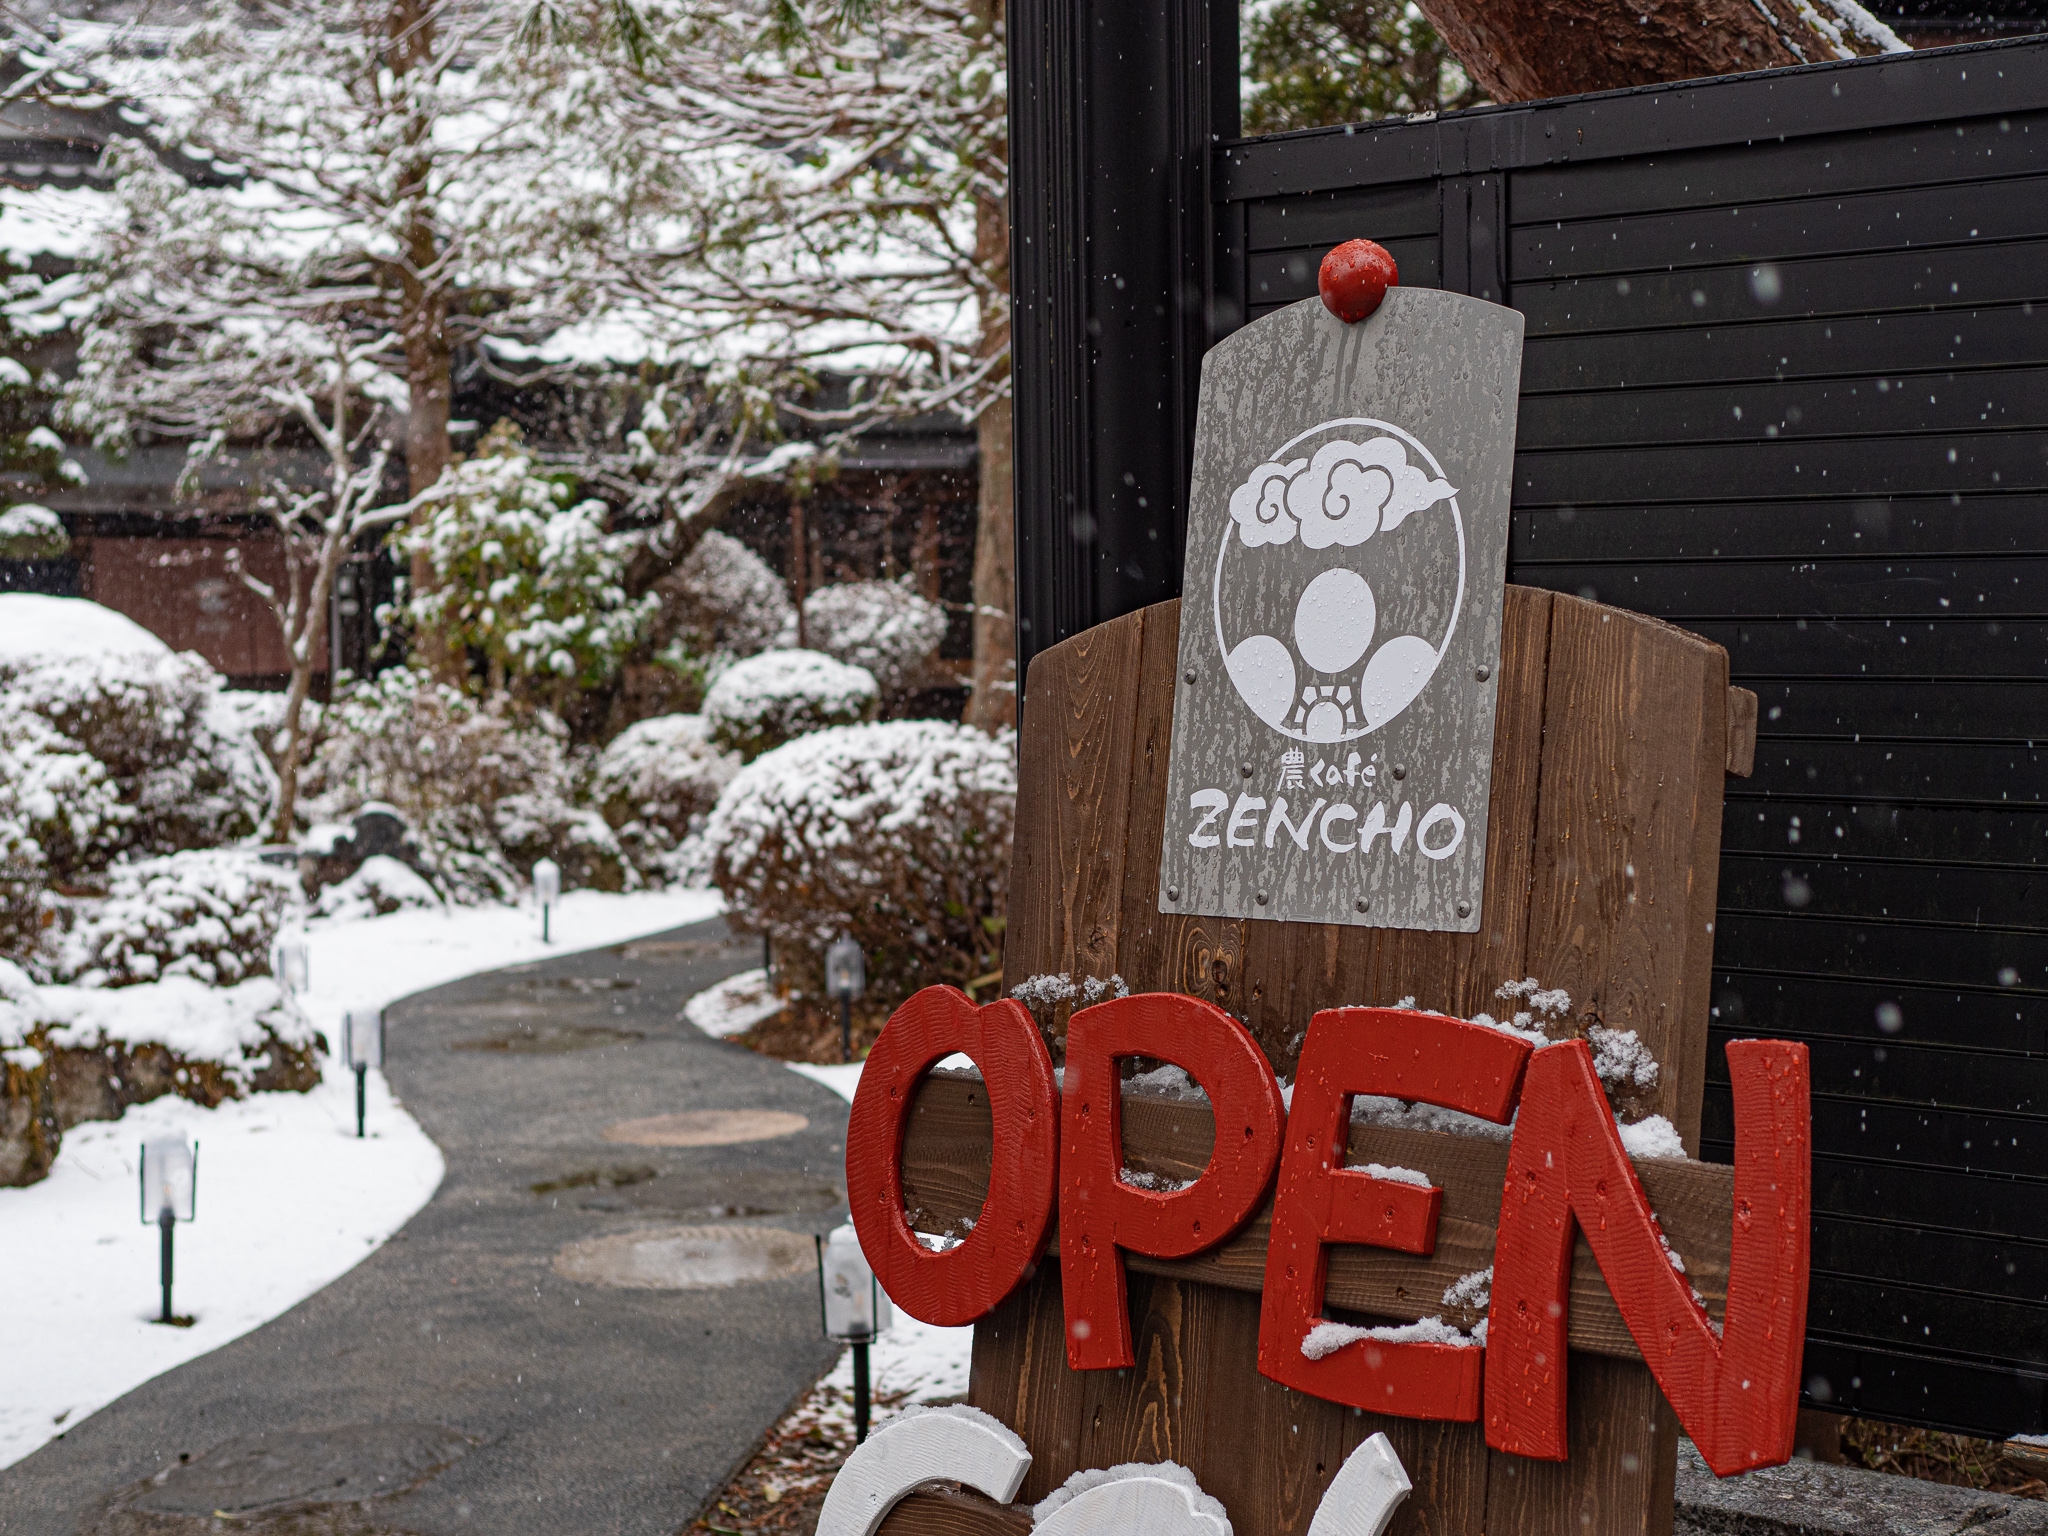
{"x":111,"y":747}
{"x":534,"y":587}
{"x":656,"y":782}
{"x":758,"y":704}
{"x":379,"y":885}
{"x":210,"y":914}
{"x":881,"y":625}
{"x":722,"y":603}
{"x":69,"y":1054}
{"x":897,"y":834}
{"x":487,"y":787}
{"x":31,"y":532}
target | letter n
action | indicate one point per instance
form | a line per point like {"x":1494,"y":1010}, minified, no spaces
{"x":1737,"y":1392}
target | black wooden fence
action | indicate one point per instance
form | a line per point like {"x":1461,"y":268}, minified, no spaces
{"x":1786,"y":384}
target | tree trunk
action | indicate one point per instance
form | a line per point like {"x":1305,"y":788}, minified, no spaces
{"x":993,"y":703}
{"x":1519,"y":50}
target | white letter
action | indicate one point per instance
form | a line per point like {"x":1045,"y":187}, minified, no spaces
{"x":1279,"y":819}
{"x":1430,"y":818}
{"x":1212,"y":801}
{"x":1338,"y":812}
{"x":1376,"y":825}
{"x":1244,"y":817}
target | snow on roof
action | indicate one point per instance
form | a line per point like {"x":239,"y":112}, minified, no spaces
{"x":33,"y":624}
{"x":53,"y":221}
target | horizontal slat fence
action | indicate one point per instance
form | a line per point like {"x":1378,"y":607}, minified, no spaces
{"x":1786,"y":385}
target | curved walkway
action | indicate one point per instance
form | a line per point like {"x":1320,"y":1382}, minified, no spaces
{"x":574,"y":1407}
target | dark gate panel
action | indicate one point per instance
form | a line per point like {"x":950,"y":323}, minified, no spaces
{"x":1786,"y":384}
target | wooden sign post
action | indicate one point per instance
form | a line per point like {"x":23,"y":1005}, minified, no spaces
{"x":1253,"y":1289}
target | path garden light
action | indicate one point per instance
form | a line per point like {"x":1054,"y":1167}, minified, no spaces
{"x":547,"y":890}
{"x":854,"y":1308}
{"x":846,"y":977}
{"x":170,"y":1194}
{"x":362,"y":1047}
{"x":293,"y":964}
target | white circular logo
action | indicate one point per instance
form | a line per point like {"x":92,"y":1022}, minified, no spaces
{"x":1339,"y":579}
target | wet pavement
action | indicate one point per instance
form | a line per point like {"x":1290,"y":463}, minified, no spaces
{"x":581,"y":1332}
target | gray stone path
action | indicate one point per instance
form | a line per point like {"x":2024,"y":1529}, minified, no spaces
{"x":457,"y":1362}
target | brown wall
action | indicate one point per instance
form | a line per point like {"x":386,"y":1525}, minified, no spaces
{"x":182,"y":591}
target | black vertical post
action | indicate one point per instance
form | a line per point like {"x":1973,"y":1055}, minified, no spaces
{"x":860,"y":1394}
{"x":1114,"y":109}
{"x":544,"y":923}
{"x":846,"y":1029}
{"x":166,"y":1224}
{"x":362,"y":1073}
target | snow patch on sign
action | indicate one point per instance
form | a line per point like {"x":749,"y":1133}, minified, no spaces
{"x":1327,"y":1338}
{"x":1653,"y":1137}
{"x":1474,"y":1290}
{"x":1157,"y":1183}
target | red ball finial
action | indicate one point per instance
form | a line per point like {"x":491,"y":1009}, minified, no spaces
{"x":1355,"y":276}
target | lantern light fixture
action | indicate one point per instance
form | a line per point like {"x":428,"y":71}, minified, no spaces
{"x":853,"y":1307}
{"x":362,"y":1047}
{"x":170,"y":1194}
{"x":547,"y":889}
{"x":846,"y":978}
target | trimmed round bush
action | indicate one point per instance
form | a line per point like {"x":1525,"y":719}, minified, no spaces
{"x":209,"y":914}
{"x":759,"y":703}
{"x":897,"y":834}
{"x":657,"y":781}
{"x":880,"y":625}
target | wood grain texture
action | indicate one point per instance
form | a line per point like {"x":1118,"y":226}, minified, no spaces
{"x":1078,"y":714}
{"x":1741,"y":732}
{"x":946,"y":1158}
{"x":1612,"y":739}
{"x":1634,"y":755}
{"x":937,"y":1510}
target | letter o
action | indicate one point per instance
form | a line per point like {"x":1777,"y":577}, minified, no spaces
{"x":1436,"y":813}
{"x":969,"y":1281}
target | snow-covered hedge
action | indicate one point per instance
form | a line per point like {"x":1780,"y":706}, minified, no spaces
{"x":69,"y":1054}
{"x":209,"y":914}
{"x":656,"y":782}
{"x":111,"y":749}
{"x":882,"y":626}
{"x":487,"y":787}
{"x":723,"y":603}
{"x":897,"y":834}
{"x":758,"y":704}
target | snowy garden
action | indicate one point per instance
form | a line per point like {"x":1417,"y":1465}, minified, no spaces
{"x":509,"y":678}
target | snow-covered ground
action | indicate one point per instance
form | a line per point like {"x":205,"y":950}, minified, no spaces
{"x":288,"y":1199}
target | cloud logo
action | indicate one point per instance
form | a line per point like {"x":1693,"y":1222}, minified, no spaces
{"x":1259,"y":506}
{"x":1342,"y":496}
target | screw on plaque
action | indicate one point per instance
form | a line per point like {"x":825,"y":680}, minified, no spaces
{"x":1262,"y":898}
{"x":1173,"y":893}
{"x":1364,"y":903}
{"x":1482,"y":674}
{"x":1464,"y":909}
{"x":1189,"y":675}
{"x":1400,"y":770}
{"x":1245,"y":769}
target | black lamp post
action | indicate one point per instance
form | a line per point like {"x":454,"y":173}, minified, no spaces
{"x":170,"y":1194}
{"x":362,"y":1047}
{"x":855,"y":1310}
{"x":846,"y":977}
{"x":547,"y":890}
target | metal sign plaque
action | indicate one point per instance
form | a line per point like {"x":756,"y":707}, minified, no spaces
{"x":1340,"y":625}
